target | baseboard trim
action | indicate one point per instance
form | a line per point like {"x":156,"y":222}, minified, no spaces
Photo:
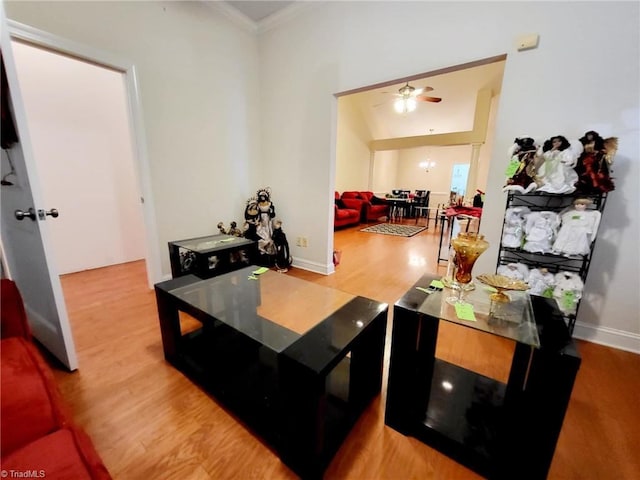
{"x":314,"y":267}
{"x":609,"y":337}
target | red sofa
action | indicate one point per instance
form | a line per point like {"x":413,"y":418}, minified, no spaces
{"x":346,"y":211}
{"x":38,"y":434}
{"x":373,"y":208}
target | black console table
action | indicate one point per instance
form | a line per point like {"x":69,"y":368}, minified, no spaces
{"x":295,"y":361}
{"x":501,"y":431}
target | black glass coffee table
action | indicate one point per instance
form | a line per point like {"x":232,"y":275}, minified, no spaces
{"x":500,"y":430}
{"x":295,"y":361}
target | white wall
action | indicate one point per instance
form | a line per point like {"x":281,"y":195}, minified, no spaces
{"x":78,"y":125}
{"x":411,"y":176}
{"x":557,"y":87}
{"x":200,"y":93}
{"x":352,"y":149}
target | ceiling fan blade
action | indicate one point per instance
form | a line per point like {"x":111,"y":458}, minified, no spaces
{"x":420,"y":91}
{"x":424,"y":98}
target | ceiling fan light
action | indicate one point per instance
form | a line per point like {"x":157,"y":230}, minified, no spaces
{"x":405,"y":105}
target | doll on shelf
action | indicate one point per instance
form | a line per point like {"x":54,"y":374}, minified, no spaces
{"x":594,"y":164}
{"x":525,"y":161}
{"x":516,"y":271}
{"x":578,"y":229}
{"x":557,"y":173}
{"x":541,"y":282}
{"x":513,"y":232}
{"x":568,"y":291}
{"x":540,"y":231}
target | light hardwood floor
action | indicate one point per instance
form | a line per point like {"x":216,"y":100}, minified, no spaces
{"x":148,"y":421}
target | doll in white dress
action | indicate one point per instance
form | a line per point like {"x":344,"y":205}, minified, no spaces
{"x":578,"y":229}
{"x":540,"y":231}
{"x":514,"y":226}
{"x":516,"y":271}
{"x":541,"y":282}
{"x":568,"y":291}
{"x":557,"y":173}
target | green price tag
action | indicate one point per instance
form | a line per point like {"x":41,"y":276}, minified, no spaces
{"x":436,"y":284}
{"x":260,"y":271}
{"x":512,"y":168}
{"x":422,"y":289}
{"x":568,"y":300}
{"x":227,"y":240}
{"x":548,"y":293}
{"x":464,"y":311}
{"x":576,"y":217}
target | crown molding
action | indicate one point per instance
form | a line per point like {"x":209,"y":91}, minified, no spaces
{"x":266,"y":24}
{"x":238,"y":18}
{"x":284,"y":15}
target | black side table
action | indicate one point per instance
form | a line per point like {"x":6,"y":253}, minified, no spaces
{"x":501,"y":431}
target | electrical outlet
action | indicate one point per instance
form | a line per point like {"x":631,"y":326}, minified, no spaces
{"x":299,"y":241}
{"x":304,"y":242}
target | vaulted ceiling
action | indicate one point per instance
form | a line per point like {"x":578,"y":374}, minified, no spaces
{"x":454,"y":113}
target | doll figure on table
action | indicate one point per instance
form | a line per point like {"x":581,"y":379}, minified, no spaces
{"x":578,"y":229}
{"x":557,"y":172}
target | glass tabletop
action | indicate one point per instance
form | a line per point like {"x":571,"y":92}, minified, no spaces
{"x":211,"y":243}
{"x":513,"y":320}
{"x":273,"y":309}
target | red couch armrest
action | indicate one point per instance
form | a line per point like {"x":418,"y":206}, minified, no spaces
{"x":13,"y":319}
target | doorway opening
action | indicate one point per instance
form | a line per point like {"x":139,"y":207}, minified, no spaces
{"x":82,"y":143}
{"x":379,"y":149}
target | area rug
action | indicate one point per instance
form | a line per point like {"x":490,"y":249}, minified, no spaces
{"x":394,"y":229}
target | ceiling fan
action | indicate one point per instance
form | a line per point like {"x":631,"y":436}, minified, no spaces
{"x":408,"y":96}
{"x":407,"y":91}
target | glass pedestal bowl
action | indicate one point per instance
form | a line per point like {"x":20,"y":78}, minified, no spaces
{"x":502,"y":284}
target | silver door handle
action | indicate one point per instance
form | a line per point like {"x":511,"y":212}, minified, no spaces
{"x":53,"y":212}
{"x":20,"y":215}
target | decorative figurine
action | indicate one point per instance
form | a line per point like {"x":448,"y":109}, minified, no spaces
{"x":221,"y":228}
{"x":541,"y":282}
{"x":251,"y":217}
{"x":523,"y":167}
{"x":514,"y":226}
{"x":540,"y":231}
{"x":516,"y":271}
{"x":283,"y":258}
{"x":568,"y":291}
{"x":557,"y":173}
{"x":594,"y":165}
{"x":578,"y":229}
{"x":234,"y":230}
